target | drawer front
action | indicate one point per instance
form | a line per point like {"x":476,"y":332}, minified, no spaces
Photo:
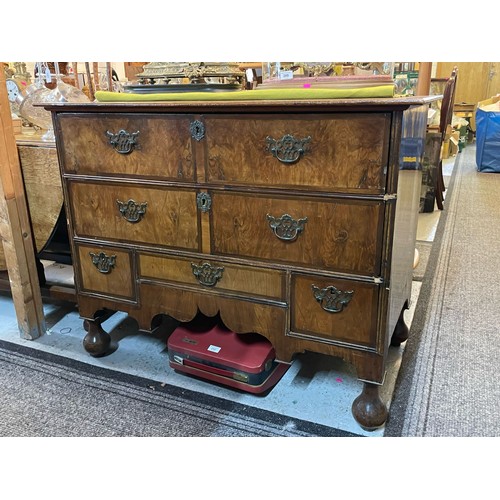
{"x":149,"y":146}
{"x":344,"y":235}
{"x":137,"y":214}
{"x":332,"y":153}
{"x":105,"y":270}
{"x":214,"y":275}
{"x":334,"y":309}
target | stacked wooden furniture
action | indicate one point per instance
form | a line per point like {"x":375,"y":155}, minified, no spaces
{"x":291,"y":219}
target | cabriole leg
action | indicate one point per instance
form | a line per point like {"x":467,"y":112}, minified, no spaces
{"x":368,"y":409}
{"x":401,"y":331}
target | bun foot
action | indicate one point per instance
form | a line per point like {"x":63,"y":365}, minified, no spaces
{"x":368,"y":409}
{"x":97,"y":342}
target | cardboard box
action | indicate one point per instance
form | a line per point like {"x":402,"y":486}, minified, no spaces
{"x":445,"y":153}
{"x":454,"y":140}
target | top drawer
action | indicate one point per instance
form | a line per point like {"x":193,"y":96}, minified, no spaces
{"x":157,"y":146}
{"x":335,"y":152}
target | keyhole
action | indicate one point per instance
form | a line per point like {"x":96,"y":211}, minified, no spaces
{"x":197,"y":130}
{"x":204,"y":202}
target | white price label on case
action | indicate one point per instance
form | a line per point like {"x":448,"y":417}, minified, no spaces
{"x":285,"y":75}
{"x":214,"y":348}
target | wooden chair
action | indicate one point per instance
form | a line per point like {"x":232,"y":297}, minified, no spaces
{"x":445,"y":120}
{"x":92,"y":83}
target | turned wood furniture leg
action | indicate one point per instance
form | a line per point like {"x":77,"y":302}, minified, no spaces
{"x":401,"y":331}
{"x":97,"y":342}
{"x":368,"y":409}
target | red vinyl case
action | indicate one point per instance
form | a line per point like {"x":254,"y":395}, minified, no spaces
{"x":212,"y":352}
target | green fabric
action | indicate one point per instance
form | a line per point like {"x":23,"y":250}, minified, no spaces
{"x":249,"y":95}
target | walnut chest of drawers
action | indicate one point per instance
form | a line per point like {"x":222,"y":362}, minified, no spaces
{"x":292,"y":219}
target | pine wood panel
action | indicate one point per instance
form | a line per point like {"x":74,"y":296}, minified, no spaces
{"x":241,"y":279}
{"x":473,"y":80}
{"x":170,"y":219}
{"x":494,"y":79}
{"x":163,"y":146}
{"x":345,"y":154}
{"x":344,"y":235}
{"x":15,"y":230}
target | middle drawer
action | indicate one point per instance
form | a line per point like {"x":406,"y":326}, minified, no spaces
{"x":139,"y":214}
{"x":344,"y":235}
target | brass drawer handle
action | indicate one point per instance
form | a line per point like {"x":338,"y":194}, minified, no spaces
{"x":332,"y":299}
{"x":286,"y":228}
{"x":123,"y":141}
{"x":207,"y":274}
{"x":104,"y":263}
{"x":131,"y":210}
{"x":288,"y":149}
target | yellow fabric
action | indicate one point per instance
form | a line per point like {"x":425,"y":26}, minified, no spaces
{"x":249,"y":95}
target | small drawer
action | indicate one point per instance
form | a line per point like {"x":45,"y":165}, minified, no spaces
{"x":334,"y":309}
{"x":344,"y":235}
{"x":106,"y":270}
{"x":138,"y":214}
{"x":336,"y":152}
{"x":155,"y":146}
{"x":210,"y":274}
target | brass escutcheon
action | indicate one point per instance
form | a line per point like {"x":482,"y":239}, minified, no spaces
{"x":197,"y":130}
{"x":203,"y":201}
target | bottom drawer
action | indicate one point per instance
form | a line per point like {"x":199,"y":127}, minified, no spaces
{"x":342,"y":311}
{"x":106,"y":270}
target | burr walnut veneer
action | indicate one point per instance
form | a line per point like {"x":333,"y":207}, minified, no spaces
{"x":291,"y":219}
